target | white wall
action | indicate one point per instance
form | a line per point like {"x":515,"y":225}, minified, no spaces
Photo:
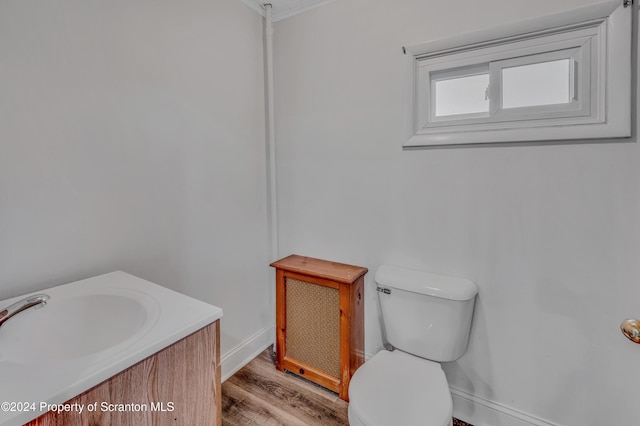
{"x":132,"y":138}
{"x":549,"y":232}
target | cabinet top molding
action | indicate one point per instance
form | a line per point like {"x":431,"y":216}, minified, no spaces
{"x":334,"y":271}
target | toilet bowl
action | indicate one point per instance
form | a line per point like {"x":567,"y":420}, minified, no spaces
{"x":395,"y":388}
{"x":427,"y":319}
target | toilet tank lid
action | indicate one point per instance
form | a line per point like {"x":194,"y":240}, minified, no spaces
{"x":442,"y":286}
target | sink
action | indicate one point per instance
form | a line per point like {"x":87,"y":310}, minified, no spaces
{"x":75,"y":326}
{"x":89,"y":331}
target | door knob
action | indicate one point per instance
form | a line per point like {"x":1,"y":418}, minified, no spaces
{"x":631,"y":328}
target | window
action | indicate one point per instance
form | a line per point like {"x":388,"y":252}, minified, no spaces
{"x":538,"y":83}
{"x":460,"y":93}
{"x":527,"y":82}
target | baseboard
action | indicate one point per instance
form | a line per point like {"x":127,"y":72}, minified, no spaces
{"x":483,"y":412}
{"x":242,"y":354}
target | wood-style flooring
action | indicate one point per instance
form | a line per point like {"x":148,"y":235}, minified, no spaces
{"x":260,"y":395}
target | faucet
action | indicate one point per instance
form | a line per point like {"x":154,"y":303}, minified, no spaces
{"x":37,"y":300}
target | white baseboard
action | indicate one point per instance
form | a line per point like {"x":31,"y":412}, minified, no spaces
{"x":242,"y":354}
{"x":483,"y":412}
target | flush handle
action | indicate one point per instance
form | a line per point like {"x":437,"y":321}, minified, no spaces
{"x":631,"y":328}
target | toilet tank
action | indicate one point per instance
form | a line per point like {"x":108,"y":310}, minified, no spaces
{"x":426,"y":314}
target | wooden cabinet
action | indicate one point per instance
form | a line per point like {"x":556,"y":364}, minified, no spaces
{"x":180,"y":385}
{"x":320,"y":320}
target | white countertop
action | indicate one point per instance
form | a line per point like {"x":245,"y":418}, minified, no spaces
{"x":47,"y":375}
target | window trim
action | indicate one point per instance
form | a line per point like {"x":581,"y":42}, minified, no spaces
{"x":599,"y":34}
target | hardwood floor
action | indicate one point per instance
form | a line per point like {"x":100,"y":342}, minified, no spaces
{"x":260,"y":395}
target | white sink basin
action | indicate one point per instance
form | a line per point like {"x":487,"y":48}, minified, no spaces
{"x":89,"y":331}
{"x":76,"y":326}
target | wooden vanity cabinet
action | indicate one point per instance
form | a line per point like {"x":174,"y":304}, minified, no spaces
{"x":320,"y":320}
{"x":180,"y":385}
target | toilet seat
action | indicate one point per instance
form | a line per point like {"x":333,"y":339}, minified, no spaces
{"x":396,"y":388}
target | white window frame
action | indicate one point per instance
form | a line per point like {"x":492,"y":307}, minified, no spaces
{"x":597,"y":40}
{"x":580,"y":92}
{"x":429,"y":101}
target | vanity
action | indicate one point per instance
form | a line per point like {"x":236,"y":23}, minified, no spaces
{"x":113,"y":349}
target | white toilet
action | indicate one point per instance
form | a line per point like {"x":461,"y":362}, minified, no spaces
{"x":427,"y":319}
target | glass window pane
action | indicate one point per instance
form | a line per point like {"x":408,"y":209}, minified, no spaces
{"x":544,"y":83}
{"x":462,"y":95}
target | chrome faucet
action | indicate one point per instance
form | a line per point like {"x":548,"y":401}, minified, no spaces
{"x":37,"y":300}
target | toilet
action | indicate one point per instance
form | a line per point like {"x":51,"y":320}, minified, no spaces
{"x":427,"y":319}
